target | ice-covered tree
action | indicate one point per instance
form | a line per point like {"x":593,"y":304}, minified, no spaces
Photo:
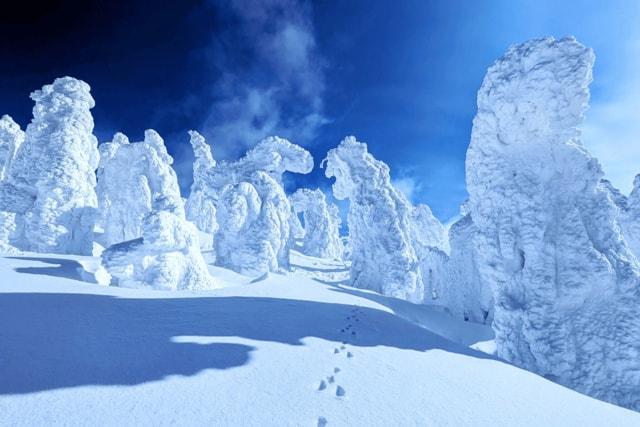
{"x":130,"y":176}
{"x":321,"y":224}
{"x":11,"y":137}
{"x":254,"y":226}
{"x":200,"y":207}
{"x":565,"y":285}
{"x":151,"y":242}
{"x":379,"y":220}
{"x":465,"y":294}
{"x":50,"y":185}
{"x":266,"y":246}
{"x":430,"y":243}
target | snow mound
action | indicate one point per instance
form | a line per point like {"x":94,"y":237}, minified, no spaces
{"x":565,"y":285}
{"x":167,"y":256}
{"x":50,"y":185}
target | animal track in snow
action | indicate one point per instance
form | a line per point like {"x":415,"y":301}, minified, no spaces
{"x":340,"y":392}
{"x":322,"y":385}
{"x":322,"y":421}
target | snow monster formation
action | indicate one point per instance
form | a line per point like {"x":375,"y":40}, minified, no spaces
{"x":466,"y":295}
{"x":321,"y":224}
{"x":565,"y":285}
{"x":254,"y":226}
{"x":430,"y":243}
{"x":253,"y":212}
{"x":130,"y":176}
{"x":11,"y":137}
{"x":200,"y":207}
{"x":162,"y":248}
{"x":50,"y":185}
{"x":379,"y":219}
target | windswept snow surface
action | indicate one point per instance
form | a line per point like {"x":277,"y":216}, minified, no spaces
{"x":285,"y":350}
{"x":566,"y":286}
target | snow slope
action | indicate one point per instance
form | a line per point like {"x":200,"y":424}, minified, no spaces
{"x":295,"y":349}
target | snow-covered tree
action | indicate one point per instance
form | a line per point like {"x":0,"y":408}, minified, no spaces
{"x":430,"y":243}
{"x":565,"y":285}
{"x":465,"y":294}
{"x":200,"y":207}
{"x":321,"y":224}
{"x":254,"y":234}
{"x":11,"y":137}
{"x":130,"y":176}
{"x":151,"y":242}
{"x":254,"y":226}
{"x":50,"y":185}
{"x":379,"y":220}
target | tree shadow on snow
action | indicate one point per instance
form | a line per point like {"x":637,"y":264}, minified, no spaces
{"x":57,"y":340}
{"x":67,"y":268}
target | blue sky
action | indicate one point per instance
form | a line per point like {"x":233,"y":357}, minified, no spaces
{"x":401,"y":76}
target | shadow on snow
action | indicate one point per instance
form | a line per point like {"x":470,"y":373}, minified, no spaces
{"x":58,"y":340}
{"x":67,"y":268}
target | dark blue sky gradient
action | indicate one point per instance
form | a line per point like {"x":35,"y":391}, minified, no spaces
{"x":401,"y":76}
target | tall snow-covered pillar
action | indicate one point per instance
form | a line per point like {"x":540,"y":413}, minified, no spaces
{"x":200,"y":206}
{"x":566,"y":287}
{"x":51,"y":182}
{"x":11,"y":137}
{"x":379,"y":219}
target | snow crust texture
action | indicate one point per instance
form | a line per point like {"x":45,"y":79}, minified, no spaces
{"x":50,"y":184}
{"x":200,"y":207}
{"x":380,"y":223}
{"x":565,"y":284}
{"x":321,"y":224}
{"x":253,"y":211}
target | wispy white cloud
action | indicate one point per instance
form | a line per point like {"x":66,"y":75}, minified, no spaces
{"x":273,"y":79}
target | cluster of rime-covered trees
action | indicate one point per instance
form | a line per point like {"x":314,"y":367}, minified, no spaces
{"x":545,"y":250}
